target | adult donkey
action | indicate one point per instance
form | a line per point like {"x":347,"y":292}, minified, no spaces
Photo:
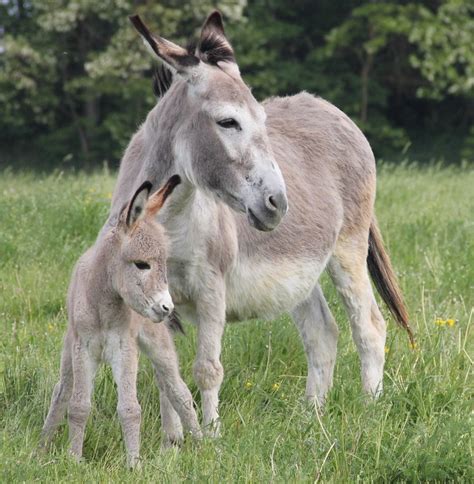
{"x":228,"y":150}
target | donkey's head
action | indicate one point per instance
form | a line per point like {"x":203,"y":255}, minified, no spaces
{"x":140,"y":271}
{"x":221,"y":143}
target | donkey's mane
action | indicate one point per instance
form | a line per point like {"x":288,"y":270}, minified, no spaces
{"x":162,"y":80}
{"x":211,"y":49}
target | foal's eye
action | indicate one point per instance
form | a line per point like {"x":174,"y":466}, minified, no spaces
{"x":229,"y":123}
{"x":142,"y":265}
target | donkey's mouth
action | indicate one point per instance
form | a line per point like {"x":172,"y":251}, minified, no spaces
{"x":256,"y":222}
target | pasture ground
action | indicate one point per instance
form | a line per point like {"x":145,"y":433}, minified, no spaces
{"x":419,"y":430}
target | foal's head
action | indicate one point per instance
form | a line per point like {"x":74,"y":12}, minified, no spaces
{"x":221,"y":143}
{"x":140,"y":270}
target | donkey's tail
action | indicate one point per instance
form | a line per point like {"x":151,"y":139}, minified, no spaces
{"x":383,"y":276}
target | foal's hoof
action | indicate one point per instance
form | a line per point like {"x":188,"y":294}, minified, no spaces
{"x":213,"y":430}
{"x":42,"y":449}
{"x":134,"y":463}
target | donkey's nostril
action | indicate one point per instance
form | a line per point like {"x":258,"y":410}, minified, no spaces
{"x":165,"y":308}
{"x":271,"y":203}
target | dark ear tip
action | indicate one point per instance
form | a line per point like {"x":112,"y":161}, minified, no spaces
{"x":215,"y":19}
{"x":146,"y":185}
{"x":174,"y":180}
{"x":140,"y":26}
{"x":135,"y":19}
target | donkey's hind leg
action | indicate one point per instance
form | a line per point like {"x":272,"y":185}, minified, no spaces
{"x":61,"y":395}
{"x":319,"y":333}
{"x":348,"y":270}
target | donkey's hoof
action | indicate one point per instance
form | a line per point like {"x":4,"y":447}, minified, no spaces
{"x":76,"y":457}
{"x":169,"y":442}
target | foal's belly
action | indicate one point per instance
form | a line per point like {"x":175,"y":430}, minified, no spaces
{"x":266,"y":289}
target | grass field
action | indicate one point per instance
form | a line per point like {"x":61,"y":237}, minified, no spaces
{"x":419,"y":430}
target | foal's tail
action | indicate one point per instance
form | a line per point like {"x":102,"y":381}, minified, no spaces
{"x":383,"y":276}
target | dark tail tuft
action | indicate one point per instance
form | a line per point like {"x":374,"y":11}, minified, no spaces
{"x":385,"y":281}
{"x":173,"y":322}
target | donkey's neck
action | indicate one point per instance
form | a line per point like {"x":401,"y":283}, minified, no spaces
{"x":161,"y":133}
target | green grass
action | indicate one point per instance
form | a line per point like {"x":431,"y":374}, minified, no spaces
{"x":419,"y":430}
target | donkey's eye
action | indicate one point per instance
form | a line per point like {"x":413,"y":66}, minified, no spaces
{"x":142,"y":265}
{"x":229,"y":123}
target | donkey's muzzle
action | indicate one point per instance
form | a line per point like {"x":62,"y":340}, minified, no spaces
{"x":268,"y":215}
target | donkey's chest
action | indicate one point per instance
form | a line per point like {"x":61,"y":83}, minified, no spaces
{"x":267,"y":289}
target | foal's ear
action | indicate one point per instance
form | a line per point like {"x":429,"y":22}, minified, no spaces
{"x":175,"y":57}
{"x":157,"y":200}
{"x":136,"y":207}
{"x":213,"y":45}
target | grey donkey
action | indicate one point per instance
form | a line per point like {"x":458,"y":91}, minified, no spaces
{"x":272,"y":195}
{"x":117,"y":286}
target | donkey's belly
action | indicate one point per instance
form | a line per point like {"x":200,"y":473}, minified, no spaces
{"x":265,"y":289}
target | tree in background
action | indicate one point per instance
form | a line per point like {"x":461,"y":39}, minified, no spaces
{"x":376,"y":60}
{"x":74,"y":77}
{"x":75,"y":81}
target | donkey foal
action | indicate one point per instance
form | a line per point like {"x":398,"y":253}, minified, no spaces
{"x":125,"y":270}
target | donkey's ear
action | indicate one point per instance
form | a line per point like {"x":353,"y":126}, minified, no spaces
{"x":136,"y":207}
{"x":213,"y":45}
{"x":175,"y":57}
{"x":157,"y":200}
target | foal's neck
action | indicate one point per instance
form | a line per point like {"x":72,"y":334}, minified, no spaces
{"x":103,"y":267}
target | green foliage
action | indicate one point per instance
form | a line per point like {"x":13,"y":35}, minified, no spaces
{"x":79,"y":64}
{"x":445,"y":55}
{"x":419,"y":430}
{"x":75,"y":79}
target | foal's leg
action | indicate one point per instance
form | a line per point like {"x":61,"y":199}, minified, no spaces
{"x":170,"y":421}
{"x":319,"y":333}
{"x":158,"y":345}
{"x":348,"y":270}
{"x":84,"y":368}
{"x":61,"y":394}
{"x":123,"y":358}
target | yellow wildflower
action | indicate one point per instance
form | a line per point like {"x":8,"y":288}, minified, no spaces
{"x":109,"y":195}
{"x":50,"y":327}
{"x":414,"y":346}
{"x":275,"y":387}
{"x":440,"y":322}
{"x":386,"y":349}
{"x":450,"y":322}
{"x":248,"y":384}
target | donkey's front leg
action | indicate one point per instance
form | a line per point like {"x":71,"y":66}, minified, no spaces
{"x":208,"y":371}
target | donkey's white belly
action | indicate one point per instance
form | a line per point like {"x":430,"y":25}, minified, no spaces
{"x":266,"y":289}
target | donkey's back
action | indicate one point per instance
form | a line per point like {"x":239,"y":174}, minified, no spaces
{"x":329,"y":171}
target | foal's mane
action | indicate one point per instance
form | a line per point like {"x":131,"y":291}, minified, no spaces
{"x":211,"y":49}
